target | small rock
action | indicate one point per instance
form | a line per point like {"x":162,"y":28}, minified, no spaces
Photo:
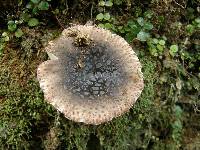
{"x":95,"y":92}
{"x":102,"y":92}
{"x":95,"y":88}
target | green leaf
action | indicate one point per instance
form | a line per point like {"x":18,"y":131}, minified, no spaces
{"x":106,"y":16}
{"x":19,"y":33}
{"x":56,"y":11}
{"x":190,"y":28}
{"x":108,"y":25}
{"x":148,"y":14}
{"x":33,"y":22}
{"x":35,"y":1}
{"x":121,"y":29}
{"x":148,"y":26}
{"x":101,"y":25}
{"x":136,"y":30}
{"x":100,"y":16}
{"x":173,"y":50}
{"x":4,"y":34}
{"x":143,"y":36}
{"x":1,"y":47}
{"x":134,"y":27}
{"x":161,"y":42}
{"x":140,"y":21}
{"x":12,"y":26}
{"x":155,"y":41}
{"x":29,"y":5}
{"x":25,"y":17}
{"x":137,"y":11}
{"x":132,"y":24}
{"x":177,"y":125}
{"x":161,"y":19}
{"x":101,"y":3}
{"x":35,"y":10}
{"x":197,"y":20}
{"x":108,"y":3}
{"x":129,"y":37}
{"x":153,"y":51}
{"x":160,"y":48}
{"x":43,"y":5}
{"x":178,"y":111}
{"x":127,"y":29}
{"x":6,"y":38}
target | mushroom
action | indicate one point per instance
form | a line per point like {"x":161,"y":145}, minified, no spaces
{"x":92,"y":76}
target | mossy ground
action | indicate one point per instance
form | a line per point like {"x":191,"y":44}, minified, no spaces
{"x":160,"y":119}
{"x":28,"y":121}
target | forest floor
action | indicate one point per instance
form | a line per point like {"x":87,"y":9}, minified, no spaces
{"x":165,"y":34}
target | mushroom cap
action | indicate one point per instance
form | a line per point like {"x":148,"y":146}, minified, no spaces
{"x":92,"y":75}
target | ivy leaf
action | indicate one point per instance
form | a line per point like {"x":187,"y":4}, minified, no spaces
{"x":134,"y":27}
{"x":161,"y":42}
{"x":190,"y":28}
{"x":101,"y":3}
{"x":148,"y":14}
{"x":148,"y":26}
{"x":108,"y":3}
{"x":12,"y":26}
{"x":25,"y":17}
{"x":143,"y":36}
{"x":106,"y":16}
{"x":108,"y":25}
{"x":33,"y":22}
{"x":173,"y":50}
{"x":129,"y":37}
{"x":100,"y":16}
{"x":5,"y":37}
{"x":121,"y":29}
{"x":35,"y":10}
{"x":132,"y":24}
{"x":2,"y":47}
{"x":197,"y":20}
{"x":155,"y":40}
{"x":19,"y":33}
{"x":101,"y":25}
{"x":43,"y":5}
{"x":140,"y":21}
{"x":160,"y":48}
{"x":4,"y":34}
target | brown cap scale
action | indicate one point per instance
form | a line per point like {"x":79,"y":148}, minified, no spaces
{"x":93,"y":75}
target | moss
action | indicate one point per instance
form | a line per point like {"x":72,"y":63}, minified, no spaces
{"x":22,"y":103}
{"x":27,"y":120}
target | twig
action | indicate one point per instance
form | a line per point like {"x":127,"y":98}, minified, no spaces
{"x":179,"y":4}
{"x":91,"y":16}
{"x":60,"y":24}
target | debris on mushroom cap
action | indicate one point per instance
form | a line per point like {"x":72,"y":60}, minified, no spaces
{"x":93,"y":75}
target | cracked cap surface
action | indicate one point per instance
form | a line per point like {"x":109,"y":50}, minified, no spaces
{"x":92,"y":75}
